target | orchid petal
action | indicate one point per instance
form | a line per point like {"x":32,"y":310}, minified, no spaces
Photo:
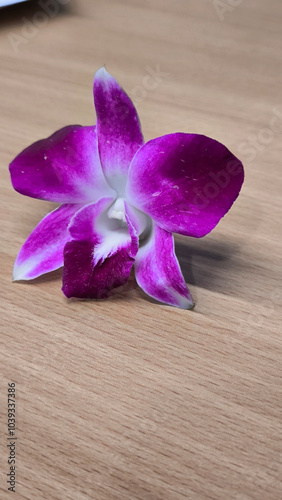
{"x":118,"y":129}
{"x":158,"y":273}
{"x":185,"y":182}
{"x":43,"y":250}
{"x":64,"y":168}
{"x":101,"y":254}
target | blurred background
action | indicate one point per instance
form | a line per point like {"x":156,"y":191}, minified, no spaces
{"x":208,"y":54}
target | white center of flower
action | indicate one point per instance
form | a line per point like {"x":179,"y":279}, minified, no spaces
{"x":117,"y":210}
{"x":116,"y":219}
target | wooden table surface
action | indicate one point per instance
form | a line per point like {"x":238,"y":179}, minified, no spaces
{"x":128,"y":399}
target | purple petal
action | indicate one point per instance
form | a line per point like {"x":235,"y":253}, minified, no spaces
{"x":100,"y":256}
{"x":64,"y":168}
{"x":118,"y":129}
{"x":83,"y":224}
{"x":43,"y":250}
{"x":158,"y":273}
{"x":185,"y":182}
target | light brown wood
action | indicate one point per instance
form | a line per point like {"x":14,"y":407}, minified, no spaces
{"x":126,"y":398}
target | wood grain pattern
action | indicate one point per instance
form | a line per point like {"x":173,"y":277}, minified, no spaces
{"x":129,"y":399}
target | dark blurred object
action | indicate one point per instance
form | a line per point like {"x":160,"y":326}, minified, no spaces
{"x":32,"y":11}
{"x":5,"y":3}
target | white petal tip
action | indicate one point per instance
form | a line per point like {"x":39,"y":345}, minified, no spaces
{"x":185,"y":304}
{"x":18,"y":278}
{"x":190,"y":305}
{"x":19,"y":274}
{"x":15,"y":276}
{"x":102,"y":74}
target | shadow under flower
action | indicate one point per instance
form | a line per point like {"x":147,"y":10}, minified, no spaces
{"x":210,"y":264}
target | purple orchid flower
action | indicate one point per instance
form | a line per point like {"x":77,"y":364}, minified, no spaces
{"x":121,"y":200}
